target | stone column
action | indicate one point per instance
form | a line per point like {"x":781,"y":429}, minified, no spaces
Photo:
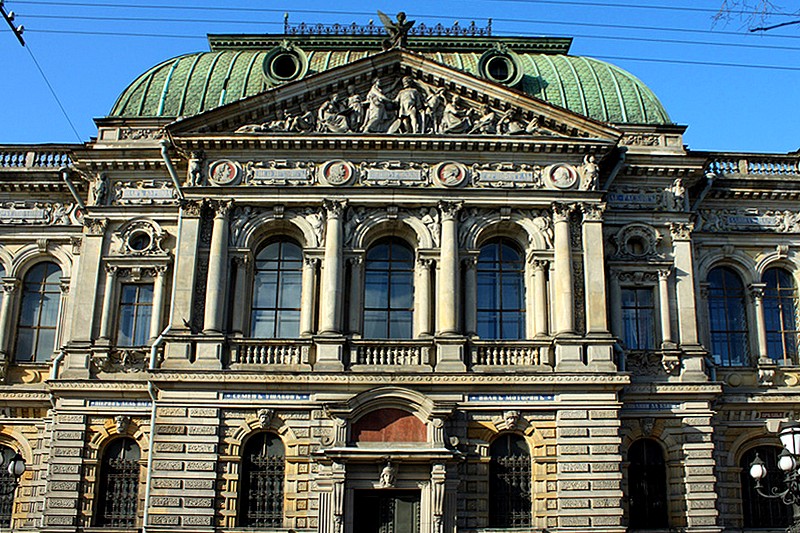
{"x":540,"y":297}
{"x":438,"y":478}
{"x":9,"y":289}
{"x":107,"y":318}
{"x":757,"y":295}
{"x":331,"y":287}
{"x":242,"y":286}
{"x":615,"y":302}
{"x":422,"y":297}
{"x":667,"y":342}
{"x":471,"y":296}
{"x":447,"y":315}
{"x":694,"y":359}
{"x":308,"y":295}
{"x":565,"y":317}
{"x":594,"y":269}
{"x":159,"y":284}
{"x":217,"y":271}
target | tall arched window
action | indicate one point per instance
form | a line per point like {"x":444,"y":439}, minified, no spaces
{"x":760,"y":512}
{"x":276,"y":291}
{"x":389,"y":291}
{"x":38,"y":317}
{"x":727,"y":318}
{"x":261,"y":482}
{"x":501,"y":291}
{"x":647,"y":485}
{"x":118,"y":487}
{"x":7,"y":487}
{"x":780,"y":315}
{"x":509,"y":482}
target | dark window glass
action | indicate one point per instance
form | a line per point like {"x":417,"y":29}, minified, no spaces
{"x":135,"y":311}
{"x":501,"y":291}
{"x":780,"y":316}
{"x":389,"y":291}
{"x":7,"y":487}
{"x":638,"y":319}
{"x":261,"y":495}
{"x":647,"y":485}
{"x":276,"y":292}
{"x":38,"y":317}
{"x":118,"y":489}
{"x":727,"y":318}
{"x":760,"y":512}
{"x":509,"y":482}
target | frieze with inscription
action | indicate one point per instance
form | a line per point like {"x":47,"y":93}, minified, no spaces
{"x":280,"y":173}
{"x":720,"y":220}
{"x":43,"y":213}
{"x":143,"y":192}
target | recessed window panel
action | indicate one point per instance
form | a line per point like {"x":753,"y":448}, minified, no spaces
{"x":501,"y":291}
{"x":389,"y":291}
{"x":277,"y":291}
{"x":38,"y":318}
{"x":780,"y":316}
{"x":727,"y":318}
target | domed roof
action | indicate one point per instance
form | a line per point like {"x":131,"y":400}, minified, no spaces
{"x":198,"y":82}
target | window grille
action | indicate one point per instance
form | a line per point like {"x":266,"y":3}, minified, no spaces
{"x":780,"y":316}
{"x":118,"y":489}
{"x":510,"y":482}
{"x":38,"y":317}
{"x":727,"y":318}
{"x":389,"y":291}
{"x":261,"y":497}
{"x":638,"y":318}
{"x":501,"y":291}
{"x":135,"y":313}
{"x":277,"y":291}
{"x":7,"y":487}
{"x":760,"y":512}
{"x":647,"y":486}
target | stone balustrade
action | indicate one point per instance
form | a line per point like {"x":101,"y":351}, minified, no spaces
{"x":407,"y":353}
{"x":496,"y":354}
{"x":755,"y":165}
{"x":270,"y":352}
{"x":17,"y":158}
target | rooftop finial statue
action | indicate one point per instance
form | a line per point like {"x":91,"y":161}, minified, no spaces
{"x":398,"y":31}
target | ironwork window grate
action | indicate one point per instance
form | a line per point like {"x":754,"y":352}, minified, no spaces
{"x":261,"y":497}
{"x":647,"y":486}
{"x":760,"y":512}
{"x":8,"y":487}
{"x":510,"y":482}
{"x":118,"y":490}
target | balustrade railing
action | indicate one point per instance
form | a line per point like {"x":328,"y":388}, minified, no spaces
{"x":510,"y":353}
{"x":17,"y":158}
{"x":270,"y":352}
{"x":755,"y":165}
{"x":391,"y":353}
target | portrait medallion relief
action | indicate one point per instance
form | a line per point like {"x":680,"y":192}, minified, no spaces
{"x":561,"y":176}
{"x":223,"y":172}
{"x":337,"y":173}
{"x":450,"y":174}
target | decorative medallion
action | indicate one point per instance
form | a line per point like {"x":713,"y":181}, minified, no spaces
{"x":337,"y":173}
{"x":561,"y":176}
{"x":223,"y":172}
{"x":450,"y":174}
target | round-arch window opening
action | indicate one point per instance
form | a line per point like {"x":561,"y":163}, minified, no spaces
{"x":500,"y":68}
{"x":140,"y":241}
{"x":285,"y":66}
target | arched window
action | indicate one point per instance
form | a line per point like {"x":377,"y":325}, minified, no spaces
{"x":780,"y":315}
{"x":7,"y":487}
{"x":727,"y":318}
{"x":509,"y":482}
{"x":118,"y":487}
{"x":38,"y":317}
{"x":261,"y":482}
{"x":276,"y":291}
{"x":647,"y":485}
{"x":501,"y":291}
{"x":135,"y":313}
{"x":760,"y":512}
{"x":389,"y":291}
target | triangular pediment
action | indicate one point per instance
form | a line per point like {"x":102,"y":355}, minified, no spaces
{"x":396,"y":93}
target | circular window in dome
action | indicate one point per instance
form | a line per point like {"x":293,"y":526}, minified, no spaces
{"x":140,"y":241}
{"x":500,"y":65}
{"x":284,"y":64}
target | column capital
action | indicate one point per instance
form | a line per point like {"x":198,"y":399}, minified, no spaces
{"x":425,"y":262}
{"x":10,"y":285}
{"x":111,"y":270}
{"x":470,"y":262}
{"x":592,"y":212}
{"x":95,"y":226}
{"x":64,"y":285}
{"x":756,"y":291}
{"x":664,"y":273}
{"x":681,"y":231}
{"x":562,"y":211}
{"x":538,"y":264}
{"x":449,"y":209}
{"x":191,"y":208}
{"x":222,"y":208}
{"x":311,"y":262}
{"x":334,"y":208}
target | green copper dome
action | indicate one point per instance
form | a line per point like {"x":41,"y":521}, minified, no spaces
{"x":194,"y":83}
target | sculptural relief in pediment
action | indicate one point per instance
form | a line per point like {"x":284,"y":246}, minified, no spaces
{"x":399,"y":105}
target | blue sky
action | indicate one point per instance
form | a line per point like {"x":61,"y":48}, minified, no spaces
{"x":85,"y":49}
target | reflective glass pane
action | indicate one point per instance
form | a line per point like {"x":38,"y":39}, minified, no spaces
{"x":50,"y":304}
{"x":46,"y":345}
{"x":29,"y":312}
{"x":263,"y":324}
{"x":376,"y":289}
{"x":289,"y":290}
{"x":400,"y":325}
{"x":376,"y":324}
{"x":126,"y":323}
{"x":288,"y":326}
{"x":402,"y":291}
{"x":24,"y":344}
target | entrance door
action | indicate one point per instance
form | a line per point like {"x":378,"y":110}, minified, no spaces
{"x":386,"y":511}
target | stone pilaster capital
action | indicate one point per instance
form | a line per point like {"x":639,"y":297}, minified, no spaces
{"x":538,"y":264}
{"x":470,"y":262}
{"x":704,"y":289}
{"x":95,"y":226}
{"x":449,"y":210}
{"x":756,"y":291}
{"x":311,"y":262}
{"x":562,"y":211}
{"x":664,"y":273}
{"x":64,"y":285}
{"x":424,"y":262}
{"x":191,"y":208}
{"x":242,"y":260}
{"x":223,"y":208}
{"x":593,"y":212}
{"x":334,"y":208}
{"x":681,"y":231}
{"x":10,"y":285}
{"x":355,"y":260}
{"x":111,"y":270}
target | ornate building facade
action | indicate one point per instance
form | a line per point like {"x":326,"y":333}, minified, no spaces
{"x":326,"y":282}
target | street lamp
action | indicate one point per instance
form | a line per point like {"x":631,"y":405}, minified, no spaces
{"x":788,"y":464}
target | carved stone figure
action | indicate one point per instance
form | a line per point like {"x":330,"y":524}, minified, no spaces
{"x":509,"y":123}
{"x":100,"y":189}
{"x":265,"y":417}
{"x":377,"y":116}
{"x":398,"y":31}
{"x":533,"y":127}
{"x":455,"y":118}
{"x":430,"y":217}
{"x":305,"y":121}
{"x":121,"y":422}
{"x":486,"y":123}
{"x":591,"y":171}
{"x":434,"y":109}
{"x":355,"y":105}
{"x":332,"y":116}
{"x":678,"y":195}
{"x":511,"y":418}
{"x":194,"y":175}
{"x":410,"y":107}
{"x":648,"y":425}
{"x":388,"y":475}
